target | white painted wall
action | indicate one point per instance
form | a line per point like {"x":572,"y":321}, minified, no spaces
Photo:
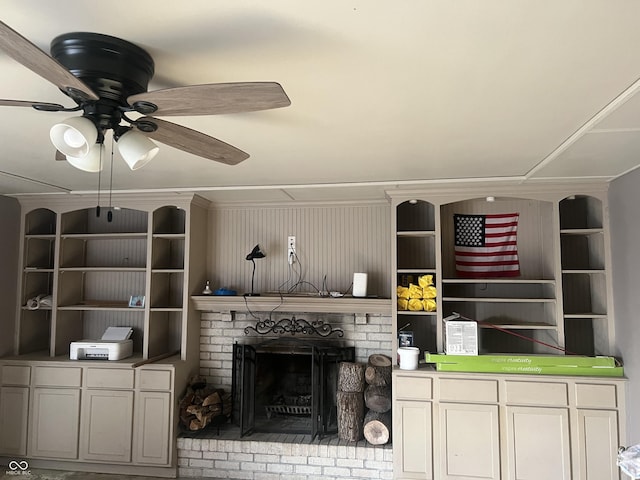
{"x":624,"y":198}
{"x":10,"y":222}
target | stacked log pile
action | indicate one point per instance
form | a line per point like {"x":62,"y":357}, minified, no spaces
{"x":361,"y":385}
{"x":377,"y":398}
{"x":203,"y":405}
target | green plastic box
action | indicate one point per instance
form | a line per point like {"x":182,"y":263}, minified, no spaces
{"x":522,"y":360}
{"x":531,"y":369}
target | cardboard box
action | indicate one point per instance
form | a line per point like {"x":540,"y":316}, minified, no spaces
{"x":461,"y":337}
{"x":524,"y":360}
{"x":531,"y":369}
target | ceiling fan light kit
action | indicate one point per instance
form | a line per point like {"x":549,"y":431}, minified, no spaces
{"x":74,"y":137}
{"x":92,"y":162}
{"x":107,"y":78}
{"x":136,"y":149}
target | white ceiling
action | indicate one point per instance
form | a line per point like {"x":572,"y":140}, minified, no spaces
{"x":383,"y":93}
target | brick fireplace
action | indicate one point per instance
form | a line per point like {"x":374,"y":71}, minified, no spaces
{"x":264,"y":456}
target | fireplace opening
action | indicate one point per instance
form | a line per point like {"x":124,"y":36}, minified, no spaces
{"x":287,"y":386}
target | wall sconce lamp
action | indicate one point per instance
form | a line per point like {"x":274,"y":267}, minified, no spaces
{"x":255,"y":253}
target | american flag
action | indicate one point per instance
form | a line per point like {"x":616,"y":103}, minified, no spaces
{"x":486,"y":245}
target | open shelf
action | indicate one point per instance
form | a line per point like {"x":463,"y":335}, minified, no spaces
{"x":92,"y":266}
{"x":560,"y":294}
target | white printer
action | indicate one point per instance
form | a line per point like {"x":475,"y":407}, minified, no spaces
{"x":115,"y":344}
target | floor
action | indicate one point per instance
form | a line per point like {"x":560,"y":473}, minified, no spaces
{"x":37,"y":474}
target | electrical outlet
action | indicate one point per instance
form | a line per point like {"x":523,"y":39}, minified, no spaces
{"x":291,"y":249}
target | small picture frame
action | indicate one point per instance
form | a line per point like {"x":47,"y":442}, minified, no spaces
{"x":136,"y":301}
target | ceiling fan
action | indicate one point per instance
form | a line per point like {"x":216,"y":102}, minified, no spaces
{"x":107,"y":78}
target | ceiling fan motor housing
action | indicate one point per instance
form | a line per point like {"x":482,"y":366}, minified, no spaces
{"x":113,"y":68}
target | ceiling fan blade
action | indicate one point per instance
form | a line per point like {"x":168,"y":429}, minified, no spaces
{"x":212,"y":99}
{"x":49,"y":107}
{"x":29,"y":55}
{"x":191,"y":141}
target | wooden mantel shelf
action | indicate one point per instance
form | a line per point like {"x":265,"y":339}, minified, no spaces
{"x":292,"y":304}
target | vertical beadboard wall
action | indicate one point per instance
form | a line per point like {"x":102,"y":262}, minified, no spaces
{"x":332,"y":240}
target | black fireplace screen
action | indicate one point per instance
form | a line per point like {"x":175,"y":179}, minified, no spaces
{"x":287,"y":386}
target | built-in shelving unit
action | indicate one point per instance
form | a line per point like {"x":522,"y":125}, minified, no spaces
{"x":167,"y":281}
{"x":91,"y":265}
{"x":584,"y":278}
{"x":38,"y":275}
{"x":560,"y":297}
{"x":416,"y":250}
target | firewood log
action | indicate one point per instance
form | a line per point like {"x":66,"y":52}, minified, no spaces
{"x":350,"y":415}
{"x":378,"y":371}
{"x":351,"y":377}
{"x":212,"y":398}
{"x":378,"y":398}
{"x":377,"y":427}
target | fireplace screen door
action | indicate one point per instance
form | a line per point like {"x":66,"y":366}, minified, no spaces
{"x":287,"y":386}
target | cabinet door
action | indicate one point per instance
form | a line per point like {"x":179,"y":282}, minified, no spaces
{"x":538,"y":443}
{"x":469,"y":442}
{"x":412,"y":442}
{"x":598,"y":443}
{"x":14,"y":408}
{"x":54,"y":422}
{"x":106,"y":425}
{"x":152,"y":420}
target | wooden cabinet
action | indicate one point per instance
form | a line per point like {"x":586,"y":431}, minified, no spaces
{"x":538,"y":443}
{"x":153,"y":417}
{"x":412,"y":415}
{"x":413,"y":452}
{"x":598,"y":437}
{"x":106,"y":425}
{"x":469,"y":442}
{"x":507,"y":427}
{"x":104,"y":439}
{"x":152,"y":428}
{"x":91,"y":414}
{"x":54,"y":423}
{"x":14,"y":407}
{"x":561,"y":295}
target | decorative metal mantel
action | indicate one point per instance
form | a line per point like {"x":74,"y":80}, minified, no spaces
{"x":294,"y":326}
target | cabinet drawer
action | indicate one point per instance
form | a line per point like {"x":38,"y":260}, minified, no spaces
{"x":537,"y":393}
{"x":57,"y":376}
{"x":456,"y":390}
{"x":596,"y":396}
{"x":154,"y":380}
{"x":16,"y":374}
{"x":109,"y":378}
{"x":413,"y":388}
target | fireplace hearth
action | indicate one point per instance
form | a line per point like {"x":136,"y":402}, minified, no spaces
{"x":287,"y":386}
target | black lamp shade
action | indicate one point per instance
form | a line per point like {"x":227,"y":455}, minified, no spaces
{"x":255,"y":253}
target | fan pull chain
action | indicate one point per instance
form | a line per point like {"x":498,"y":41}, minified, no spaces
{"x":110,"y":212}
{"x":99,"y":176}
